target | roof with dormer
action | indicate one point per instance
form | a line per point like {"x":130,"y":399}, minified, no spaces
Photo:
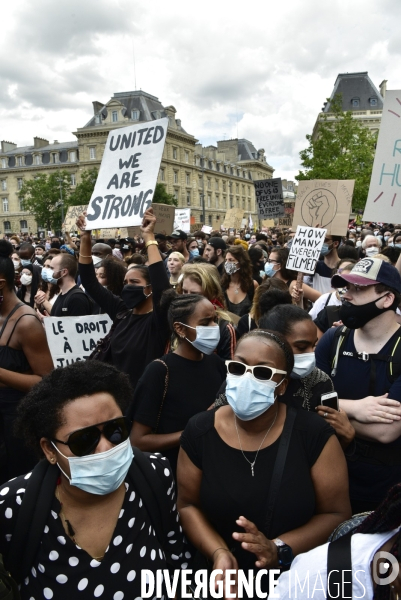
{"x":355,"y":86}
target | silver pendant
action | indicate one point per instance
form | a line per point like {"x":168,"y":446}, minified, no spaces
{"x":253,"y":474}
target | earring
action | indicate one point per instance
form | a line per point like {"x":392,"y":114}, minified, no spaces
{"x":52,"y":460}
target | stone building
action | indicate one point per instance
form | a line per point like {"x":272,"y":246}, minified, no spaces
{"x":208,"y":179}
{"x":359,"y":95}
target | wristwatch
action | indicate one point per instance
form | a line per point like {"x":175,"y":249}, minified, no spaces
{"x":284,"y":553}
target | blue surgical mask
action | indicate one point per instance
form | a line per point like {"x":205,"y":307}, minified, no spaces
{"x":47,"y":275}
{"x":248,"y":397}
{"x":100,"y":473}
{"x":25,"y":262}
{"x":325,"y":250}
{"x":194,"y":252}
{"x":303,"y":365}
{"x":270,"y":270}
{"x":397,"y":245}
{"x":207,"y":338}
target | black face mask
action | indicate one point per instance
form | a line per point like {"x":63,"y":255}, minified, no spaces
{"x":133,"y":295}
{"x":354,"y":316}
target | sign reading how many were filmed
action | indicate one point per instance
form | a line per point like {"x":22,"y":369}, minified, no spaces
{"x":269,"y":198}
{"x":127,"y":177}
{"x":305,"y":249}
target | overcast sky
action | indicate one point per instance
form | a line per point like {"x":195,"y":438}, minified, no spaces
{"x":259,"y":68}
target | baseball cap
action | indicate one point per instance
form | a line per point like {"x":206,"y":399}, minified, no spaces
{"x":161,"y":237}
{"x":370,"y":271}
{"x":178,"y":234}
{"x":218,"y":243}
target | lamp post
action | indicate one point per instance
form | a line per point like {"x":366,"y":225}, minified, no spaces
{"x":61,"y":201}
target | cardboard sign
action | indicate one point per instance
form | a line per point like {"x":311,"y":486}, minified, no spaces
{"x":324,"y":202}
{"x":72,"y":339}
{"x":266,"y":223}
{"x":384,"y":198}
{"x":305,"y":249}
{"x":127,"y":177}
{"x":207,"y":229}
{"x":164,"y":214}
{"x":269,"y":198}
{"x":233,"y":218}
{"x":182,"y":219}
{"x":73,"y":212}
{"x":196,"y":227}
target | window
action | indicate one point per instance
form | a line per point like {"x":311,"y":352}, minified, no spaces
{"x":355,"y":102}
{"x":201,"y":218}
{"x":224,"y":186}
{"x":73,"y":179}
{"x":175,"y":194}
{"x":5,"y":205}
{"x":135,"y":115}
{"x":114,"y":116}
{"x":188,"y":198}
{"x":92,"y":153}
{"x":186,"y":155}
{"x":175,"y":176}
{"x":200,"y":199}
{"x":38,"y":159}
{"x":243,"y":203}
{"x":3,"y":185}
{"x":54,"y":157}
{"x":19,"y":161}
{"x":209,"y":201}
{"x":73,"y":156}
{"x":237,"y":188}
{"x":20,"y":183}
{"x":161,"y":175}
{"x":210,"y":218}
{"x":217,"y":184}
{"x":21,"y":204}
{"x":237,"y":200}
{"x":7,"y":227}
{"x":210,"y":165}
{"x":249,"y":205}
{"x":217,"y":201}
{"x":225,"y":202}
{"x":249,"y":190}
{"x":175,"y":153}
{"x":23,"y":224}
{"x":188,"y":178}
{"x":209,"y":183}
{"x":98,"y":119}
{"x":373,"y":101}
{"x":231,"y":202}
{"x":4,"y":166}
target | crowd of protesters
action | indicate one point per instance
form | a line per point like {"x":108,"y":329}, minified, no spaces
{"x":201,"y":412}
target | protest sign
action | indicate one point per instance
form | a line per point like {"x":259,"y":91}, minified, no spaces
{"x":382,"y":203}
{"x":127,"y":177}
{"x":182,"y":219}
{"x":269,"y":198}
{"x":72,"y":339}
{"x":266,"y":223}
{"x":73,"y":212}
{"x":305,"y":249}
{"x":207,"y":229}
{"x":164,"y":214}
{"x":233,"y":218}
{"x":196,"y":227}
{"x":324,"y":202}
{"x":286,"y":221}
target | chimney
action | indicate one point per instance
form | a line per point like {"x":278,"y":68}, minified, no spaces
{"x":40,"y":142}
{"x":55,"y":142}
{"x":7,"y":146}
{"x":97,"y":106}
{"x":383,"y":88}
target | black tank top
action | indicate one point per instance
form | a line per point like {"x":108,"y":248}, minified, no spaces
{"x":12,"y":359}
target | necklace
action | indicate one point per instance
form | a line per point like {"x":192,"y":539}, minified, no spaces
{"x":70,"y":529}
{"x":240,"y":445}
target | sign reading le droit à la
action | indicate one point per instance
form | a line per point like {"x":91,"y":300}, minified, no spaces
{"x":72,"y":339}
{"x":127,"y":177}
{"x":269,"y":198}
{"x":384,"y":198}
{"x":305,"y":249}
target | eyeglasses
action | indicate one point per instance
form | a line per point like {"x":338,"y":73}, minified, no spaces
{"x":259,"y":372}
{"x":84,"y":441}
{"x":276,"y":262}
{"x":356,"y":287}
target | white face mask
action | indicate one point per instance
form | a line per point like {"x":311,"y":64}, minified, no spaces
{"x":16,"y":264}
{"x":96,"y":260}
{"x":372,"y":251}
{"x":26,"y":279}
{"x":303,"y":365}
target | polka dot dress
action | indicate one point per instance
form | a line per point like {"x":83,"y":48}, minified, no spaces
{"x":62,"y":570}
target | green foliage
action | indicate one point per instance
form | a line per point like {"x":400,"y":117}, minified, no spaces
{"x":41,"y":197}
{"x":84,"y":189}
{"x":162,"y":197}
{"x":343,"y":149}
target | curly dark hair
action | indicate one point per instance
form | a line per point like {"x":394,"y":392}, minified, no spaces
{"x":40,"y":413}
{"x":278,"y":339}
{"x":245,"y":269}
{"x":114,"y":271}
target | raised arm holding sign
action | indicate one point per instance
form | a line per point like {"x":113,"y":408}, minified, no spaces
{"x":304,"y":253}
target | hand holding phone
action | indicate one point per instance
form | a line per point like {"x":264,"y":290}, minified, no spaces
{"x":330,"y":400}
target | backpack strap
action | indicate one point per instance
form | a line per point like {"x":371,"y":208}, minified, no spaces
{"x":31,"y":520}
{"x":340,"y":336}
{"x":339,"y":568}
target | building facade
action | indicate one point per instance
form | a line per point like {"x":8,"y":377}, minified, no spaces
{"x":209,"y":179}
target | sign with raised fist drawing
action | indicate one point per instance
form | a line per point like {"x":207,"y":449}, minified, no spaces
{"x":324,"y":203}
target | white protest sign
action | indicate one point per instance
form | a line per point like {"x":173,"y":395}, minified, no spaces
{"x":127,"y":177}
{"x":384,"y":198}
{"x":182,"y":219}
{"x":207,"y":229}
{"x":72,"y":339}
{"x":305,"y":249}
{"x":269,"y":198}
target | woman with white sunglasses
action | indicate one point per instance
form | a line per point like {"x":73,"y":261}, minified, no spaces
{"x":235,"y":507}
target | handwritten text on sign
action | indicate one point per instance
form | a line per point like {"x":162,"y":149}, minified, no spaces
{"x":305,"y":249}
{"x":127,"y":178}
{"x":72,"y":339}
{"x":269,"y":198}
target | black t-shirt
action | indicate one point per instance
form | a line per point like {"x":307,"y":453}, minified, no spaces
{"x":243,"y":326}
{"x":368,"y":482}
{"x":137,"y":339}
{"x":192,"y":388}
{"x":75,"y":303}
{"x":228,"y":489}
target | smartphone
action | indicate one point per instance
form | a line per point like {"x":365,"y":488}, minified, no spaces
{"x":330,"y":400}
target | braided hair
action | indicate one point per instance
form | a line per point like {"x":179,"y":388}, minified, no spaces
{"x":386,"y":517}
{"x":277,"y":339}
{"x":179,"y":307}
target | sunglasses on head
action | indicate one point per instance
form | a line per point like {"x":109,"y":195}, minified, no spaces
{"x":260,"y":372}
{"x":84,"y":441}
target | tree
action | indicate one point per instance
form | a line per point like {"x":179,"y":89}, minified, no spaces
{"x":42,"y":197}
{"x":162,"y":197}
{"x":343,"y":149}
{"x":84,"y":189}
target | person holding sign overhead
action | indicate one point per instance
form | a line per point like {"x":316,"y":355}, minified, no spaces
{"x":140,"y":332}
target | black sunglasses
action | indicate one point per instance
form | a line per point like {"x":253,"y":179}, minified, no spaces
{"x":84,"y":441}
